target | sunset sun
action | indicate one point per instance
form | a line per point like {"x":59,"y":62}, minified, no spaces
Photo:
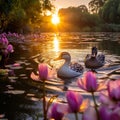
{"x":55,"y":19}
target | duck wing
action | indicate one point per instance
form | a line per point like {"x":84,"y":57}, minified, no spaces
{"x":76,"y":67}
{"x":66,"y":72}
{"x":101,"y":58}
{"x":88,"y":56}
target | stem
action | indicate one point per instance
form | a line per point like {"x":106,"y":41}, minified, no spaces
{"x":76,"y":116}
{"x":44,"y":102}
{"x":95,"y":104}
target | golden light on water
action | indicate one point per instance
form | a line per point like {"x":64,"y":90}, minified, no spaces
{"x":55,"y":19}
{"x":56,"y":43}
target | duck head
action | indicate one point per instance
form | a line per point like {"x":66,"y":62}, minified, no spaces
{"x":64,"y":55}
{"x":94,"y":52}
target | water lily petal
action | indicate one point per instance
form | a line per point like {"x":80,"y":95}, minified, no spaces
{"x":90,"y":114}
{"x":91,"y":82}
{"x":74,"y":100}
{"x":104,"y":99}
{"x":43,"y":71}
{"x":54,"y":112}
{"x":82,"y":83}
{"x":114,"y":90}
{"x":34,"y":77}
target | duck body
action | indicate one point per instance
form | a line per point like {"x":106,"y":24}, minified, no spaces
{"x":94,"y":61}
{"x":68,"y":70}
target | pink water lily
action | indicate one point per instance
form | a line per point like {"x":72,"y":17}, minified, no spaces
{"x":10,"y":48}
{"x":44,"y":73}
{"x":74,"y":101}
{"x":109,"y":113}
{"x":111,"y":96}
{"x":114,"y":90}
{"x":89,"y":114}
{"x":105,"y":100}
{"x":57,"y":111}
{"x":89,"y":83}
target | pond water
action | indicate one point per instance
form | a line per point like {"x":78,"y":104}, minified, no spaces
{"x":20,"y":97}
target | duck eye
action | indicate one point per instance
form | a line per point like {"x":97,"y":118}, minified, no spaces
{"x":63,"y":53}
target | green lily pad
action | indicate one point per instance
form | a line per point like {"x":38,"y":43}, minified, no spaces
{"x":3,"y":72}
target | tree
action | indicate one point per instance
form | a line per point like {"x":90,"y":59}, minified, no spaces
{"x":78,"y":18}
{"x":95,"y":5}
{"x":18,"y":14}
{"x":110,"y":12}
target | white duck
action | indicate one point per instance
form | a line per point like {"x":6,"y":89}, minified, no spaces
{"x":68,"y":70}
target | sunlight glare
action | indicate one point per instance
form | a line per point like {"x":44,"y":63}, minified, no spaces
{"x":55,"y":19}
{"x":56,"y":43}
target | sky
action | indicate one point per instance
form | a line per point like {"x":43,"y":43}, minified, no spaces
{"x":68,"y":3}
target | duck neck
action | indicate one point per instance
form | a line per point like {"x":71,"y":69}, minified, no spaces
{"x":67,"y":62}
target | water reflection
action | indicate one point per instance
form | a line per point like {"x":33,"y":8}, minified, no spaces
{"x":56,"y":43}
{"x":46,"y":49}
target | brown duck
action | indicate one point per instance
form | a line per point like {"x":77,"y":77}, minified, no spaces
{"x":94,"y":61}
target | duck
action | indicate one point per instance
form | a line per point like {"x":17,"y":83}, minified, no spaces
{"x":94,"y":60}
{"x":68,"y":69}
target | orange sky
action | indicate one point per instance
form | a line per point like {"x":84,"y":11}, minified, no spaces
{"x":67,"y":3}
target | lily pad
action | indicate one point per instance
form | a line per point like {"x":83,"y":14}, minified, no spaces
{"x":28,"y":68}
{"x":22,"y":75}
{"x":115,"y":76}
{"x":9,"y":87}
{"x":34,"y":99}
{"x":15,"y":92}
{"x":3,"y":72}
{"x":30,"y":95}
{"x":12,"y":78}
{"x":16,"y":68}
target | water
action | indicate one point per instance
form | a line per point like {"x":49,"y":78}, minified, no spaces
{"x":20,"y":97}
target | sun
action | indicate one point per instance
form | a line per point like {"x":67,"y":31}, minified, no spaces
{"x":55,"y":19}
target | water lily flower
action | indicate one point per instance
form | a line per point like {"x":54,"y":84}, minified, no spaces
{"x":74,"y":101}
{"x":114,"y":90}
{"x":57,"y":111}
{"x":89,"y":83}
{"x":10,"y":48}
{"x":111,"y":97}
{"x":44,"y":73}
{"x":105,"y":100}
{"x":109,"y":113}
{"x":90,"y":114}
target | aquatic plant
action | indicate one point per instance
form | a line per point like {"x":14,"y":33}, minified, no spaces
{"x":44,"y":73}
{"x":109,"y":99}
{"x":5,"y":49}
{"x":74,"y":100}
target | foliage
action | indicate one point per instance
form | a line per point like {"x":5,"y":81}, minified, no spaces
{"x":95,"y":5}
{"x":17,"y":15}
{"x":78,"y":17}
{"x":110,"y":12}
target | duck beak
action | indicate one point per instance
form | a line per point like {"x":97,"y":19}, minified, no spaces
{"x":58,"y":58}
